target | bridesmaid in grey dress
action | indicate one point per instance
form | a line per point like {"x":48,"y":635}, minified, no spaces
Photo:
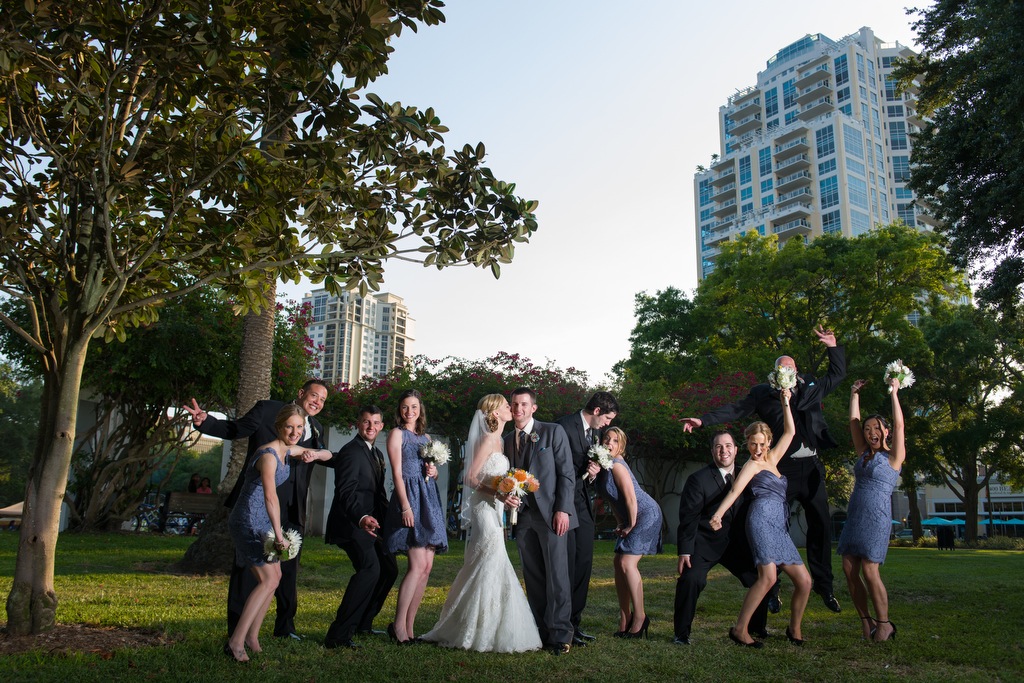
{"x":865,"y":538}
{"x":639,"y":532}
{"x":768,"y":527}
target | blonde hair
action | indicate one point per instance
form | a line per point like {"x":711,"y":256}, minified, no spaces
{"x":622,"y":438}
{"x":759,"y":428}
{"x":487,"y":405}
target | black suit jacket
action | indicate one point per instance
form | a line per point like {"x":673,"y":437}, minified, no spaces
{"x":258,"y":425}
{"x":702,"y":494}
{"x":810,"y":422}
{"x":358,"y":491}
{"x":580,"y":447}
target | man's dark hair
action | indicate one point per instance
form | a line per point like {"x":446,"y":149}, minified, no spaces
{"x":525,"y":390}
{"x":719,"y":433}
{"x":315,"y":381}
{"x":372,"y":410}
{"x":603,"y":400}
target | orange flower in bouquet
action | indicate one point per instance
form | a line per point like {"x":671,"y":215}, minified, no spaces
{"x":518,"y":483}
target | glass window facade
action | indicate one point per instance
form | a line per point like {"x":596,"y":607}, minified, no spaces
{"x":771,"y":103}
{"x":825,"y":139}
{"x":842,"y":68}
{"x":831,"y":223}
{"x":854,"y":141}
{"x":897,"y":135}
{"x":829,"y":192}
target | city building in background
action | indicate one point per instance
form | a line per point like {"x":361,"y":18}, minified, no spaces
{"x":820,"y":145}
{"x":358,"y":336}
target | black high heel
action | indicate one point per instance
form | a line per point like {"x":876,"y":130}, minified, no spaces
{"x":892,"y":634}
{"x":871,"y":620}
{"x":734,"y":638}
{"x":622,"y":634}
{"x":796,"y":641}
{"x":642,"y":633}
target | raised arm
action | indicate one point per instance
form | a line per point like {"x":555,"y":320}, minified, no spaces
{"x":788,"y":429}
{"x":856,"y":428}
{"x":899,"y":443}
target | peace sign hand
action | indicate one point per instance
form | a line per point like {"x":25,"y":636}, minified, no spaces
{"x":197,"y":413}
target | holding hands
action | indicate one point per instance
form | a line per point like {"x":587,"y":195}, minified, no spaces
{"x":716,"y":522}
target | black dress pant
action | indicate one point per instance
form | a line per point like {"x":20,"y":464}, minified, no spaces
{"x":375,"y":574}
{"x":581,"y":564}
{"x":806,"y":477}
{"x":738,"y":561}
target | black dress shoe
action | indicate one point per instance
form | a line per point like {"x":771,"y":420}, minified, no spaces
{"x":579,"y":642}
{"x":559,"y":649}
{"x":292,"y":635}
{"x":681,"y":641}
{"x":831,"y":602}
{"x":334,"y":644}
{"x":582,"y":635}
{"x":762,"y":634}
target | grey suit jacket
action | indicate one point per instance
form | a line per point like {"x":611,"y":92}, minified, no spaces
{"x":550,"y":460}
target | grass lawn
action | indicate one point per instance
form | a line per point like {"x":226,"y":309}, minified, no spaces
{"x":960,"y":617}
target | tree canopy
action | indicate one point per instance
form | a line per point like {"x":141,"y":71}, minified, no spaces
{"x":966,"y":158}
{"x":148,"y":148}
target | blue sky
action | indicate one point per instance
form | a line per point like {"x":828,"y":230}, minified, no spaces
{"x":601,"y":111}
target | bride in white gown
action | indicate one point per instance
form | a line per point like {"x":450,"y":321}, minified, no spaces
{"x":486,"y":609}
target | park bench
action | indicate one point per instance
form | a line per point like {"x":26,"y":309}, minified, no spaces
{"x":184,"y":512}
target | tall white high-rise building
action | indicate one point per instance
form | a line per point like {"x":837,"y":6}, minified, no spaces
{"x":819,"y":145}
{"x":358,"y":336}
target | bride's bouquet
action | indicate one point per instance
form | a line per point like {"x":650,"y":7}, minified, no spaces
{"x":782,"y":377}
{"x":897,"y":370}
{"x":290,"y":553}
{"x":601,"y":455}
{"x":518,"y":483}
{"x":435,"y":452}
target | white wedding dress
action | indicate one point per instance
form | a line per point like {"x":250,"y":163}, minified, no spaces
{"x":486,"y":609}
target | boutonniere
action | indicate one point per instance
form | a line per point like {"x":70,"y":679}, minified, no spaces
{"x":534,"y":437}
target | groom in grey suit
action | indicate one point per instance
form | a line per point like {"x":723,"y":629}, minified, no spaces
{"x":545,"y":517}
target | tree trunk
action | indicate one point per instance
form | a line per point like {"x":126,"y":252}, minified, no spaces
{"x":213,"y":550}
{"x":32,"y":602}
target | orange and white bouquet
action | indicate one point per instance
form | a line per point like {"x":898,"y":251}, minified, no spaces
{"x":516,"y":482}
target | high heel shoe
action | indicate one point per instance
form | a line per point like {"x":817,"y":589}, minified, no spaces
{"x":793,"y":639}
{"x":642,"y":633}
{"x":892,"y":633}
{"x":622,"y":634}
{"x":872,"y":624}
{"x":734,"y":638}
{"x":393,"y":635}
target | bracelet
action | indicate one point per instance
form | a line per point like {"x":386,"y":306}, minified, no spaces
{"x":407,"y":509}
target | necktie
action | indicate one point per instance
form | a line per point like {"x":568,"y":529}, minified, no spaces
{"x":379,"y":457}
{"x":590,"y":436}
{"x":728,"y":481}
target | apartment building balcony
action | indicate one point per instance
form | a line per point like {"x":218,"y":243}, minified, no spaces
{"x":791,"y":147}
{"x":717,"y":237}
{"x":793,"y":181}
{"x":723,"y":164}
{"x":746,"y":125}
{"x":814,"y":91}
{"x":793,"y":130}
{"x":803,"y":194}
{"x":810,"y":75}
{"x":725,"y":209}
{"x":784,"y":214}
{"x":719,"y":193}
{"x":792,"y":165}
{"x":792,"y":228}
{"x":744,"y":96}
{"x":820,"y":106}
{"x":728,"y":174}
{"x":748,"y":107}
{"x":710,"y":253}
{"x":722,"y":224}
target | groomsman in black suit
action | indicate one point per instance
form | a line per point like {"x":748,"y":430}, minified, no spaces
{"x":584,"y":429}
{"x":801,"y":466}
{"x":354,"y":525}
{"x":258,"y":425}
{"x":701,"y":548}
{"x":545,"y":517}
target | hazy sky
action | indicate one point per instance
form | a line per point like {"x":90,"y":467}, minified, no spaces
{"x":601,"y":111}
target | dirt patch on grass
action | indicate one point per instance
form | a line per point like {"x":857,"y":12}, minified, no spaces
{"x":71,"y":638}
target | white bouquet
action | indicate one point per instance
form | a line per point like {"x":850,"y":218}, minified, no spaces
{"x":270,"y":546}
{"x":601,"y":455}
{"x":782,"y":377}
{"x":897,"y":370}
{"x":435,"y":452}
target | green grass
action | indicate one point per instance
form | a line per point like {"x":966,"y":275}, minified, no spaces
{"x":960,"y":618}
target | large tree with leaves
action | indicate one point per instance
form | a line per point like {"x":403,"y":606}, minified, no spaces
{"x":966,"y":158}
{"x":145,"y":143}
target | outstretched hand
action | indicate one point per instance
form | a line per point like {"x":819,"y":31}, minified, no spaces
{"x":857,"y":386}
{"x":691,"y":423}
{"x":826,"y":337}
